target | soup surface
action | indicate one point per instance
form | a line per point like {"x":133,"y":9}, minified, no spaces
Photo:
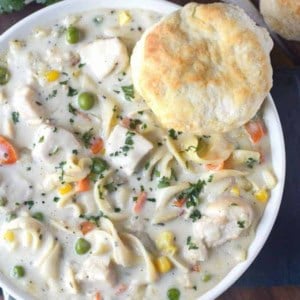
{"x":97,"y":201}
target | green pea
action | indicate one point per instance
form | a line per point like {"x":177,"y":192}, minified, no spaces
{"x":86,"y":100}
{"x":99,"y":165}
{"x":82,"y":246}
{"x":3,"y":201}
{"x":4,"y":75}
{"x":72,"y":35}
{"x":206,"y":277}
{"x":173,"y":294}
{"x":18,"y":272}
{"x":38,"y":216}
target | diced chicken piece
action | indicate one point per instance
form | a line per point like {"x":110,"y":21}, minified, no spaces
{"x":105,"y":56}
{"x":196,"y":252}
{"x":53,"y":145}
{"x":127,"y":148}
{"x":26,"y":102}
{"x":97,"y":268}
{"x":223,"y":220}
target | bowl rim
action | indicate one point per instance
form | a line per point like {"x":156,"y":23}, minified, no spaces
{"x":263,"y":230}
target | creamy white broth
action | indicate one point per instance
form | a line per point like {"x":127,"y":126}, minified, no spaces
{"x":51,"y":147}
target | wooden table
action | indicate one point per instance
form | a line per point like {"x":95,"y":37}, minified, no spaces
{"x":278,"y":60}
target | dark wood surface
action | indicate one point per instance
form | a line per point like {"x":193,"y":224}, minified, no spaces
{"x":278,"y":60}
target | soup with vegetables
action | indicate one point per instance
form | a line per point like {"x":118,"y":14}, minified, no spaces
{"x":97,"y":200}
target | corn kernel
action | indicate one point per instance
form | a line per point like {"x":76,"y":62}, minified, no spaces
{"x":124,"y":17}
{"x":170,"y":250}
{"x":9,"y":236}
{"x":65,"y":189}
{"x":262,"y":195}
{"x":163,"y":264}
{"x":52,"y":75}
{"x":235,"y":191}
{"x":164,"y":240}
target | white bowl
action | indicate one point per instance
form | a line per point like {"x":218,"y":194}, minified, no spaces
{"x":59,"y":10}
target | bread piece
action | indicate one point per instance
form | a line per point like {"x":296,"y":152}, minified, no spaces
{"x":283,"y":17}
{"x":203,"y":69}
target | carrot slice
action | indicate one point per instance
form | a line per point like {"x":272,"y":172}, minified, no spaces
{"x":180,"y":202}
{"x":214,"y":167}
{"x":256,"y":130}
{"x":8,"y":154}
{"x":83,"y":185}
{"x":86,"y":227}
{"x":98,"y":296}
{"x":140,"y":202}
{"x":97,"y":146}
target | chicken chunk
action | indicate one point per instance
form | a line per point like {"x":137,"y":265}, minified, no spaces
{"x":223,"y":220}
{"x":53,"y":145}
{"x":97,"y":268}
{"x":127,"y":148}
{"x":105,"y":56}
{"x":26,"y":102}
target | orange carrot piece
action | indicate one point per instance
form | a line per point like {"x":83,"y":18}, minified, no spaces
{"x":98,"y":296}
{"x":214,"y":167}
{"x":179,"y":202}
{"x":140,"y":202}
{"x":86,"y":227}
{"x":83,"y":185}
{"x":97,"y":146}
{"x":8,"y":154}
{"x":256,"y":131}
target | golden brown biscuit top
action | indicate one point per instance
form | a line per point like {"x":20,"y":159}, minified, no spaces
{"x":204,"y":64}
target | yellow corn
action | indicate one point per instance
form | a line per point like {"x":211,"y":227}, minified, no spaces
{"x":169,"y":250}
{"x":165,"y":239}
{"x":235,"y":191}
{"x":9,"y":236}
{"x":52,"y":75}
{"x":163,"y":264}
{"x":65,"y":189}
{"x":124,"y":17}
{"x":262,"y":195}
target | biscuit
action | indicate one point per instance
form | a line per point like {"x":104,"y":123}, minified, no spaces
{"x":283,"y":17}
{"x":203,"y":69}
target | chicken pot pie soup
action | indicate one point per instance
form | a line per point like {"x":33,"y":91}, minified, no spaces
{"x":97,"y":200}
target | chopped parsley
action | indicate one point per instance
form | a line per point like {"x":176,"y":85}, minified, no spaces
{"x":94,"y":219}
{"x":147,"y":164}
{"x":29,"y":204}
{"x":195,"y":215}
{"x":133,"y":123}
{"x":56,"y":199}
{"x":110,"y":187}
{"x":81,"y":65}
{"x":210,"y":178}
{"x":191,"y":245}
{"x":41,"y":140}
{"x":173,"y":134}
{"x":241,"y":224}
{"x":128,"y":92}
{"x":54,"y":151}
{"x":53,"y":94}
{"x":250,"y":162}
{"x":164,"y":182}
{"x":15,"y":117}
{"x":151,"y":199}
{"x":128,"y":145}
{"x":72,"y":109}
{"x":87,"y":137}
{"x":192,"y":193}
{"x":72,"y":92}
{"x":117,"y":209}
{"x":62,"y":171}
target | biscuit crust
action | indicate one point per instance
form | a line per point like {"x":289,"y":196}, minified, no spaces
{"x":204,"y":69}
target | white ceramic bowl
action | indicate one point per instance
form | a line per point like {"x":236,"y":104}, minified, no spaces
{"x":59,"y":10}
